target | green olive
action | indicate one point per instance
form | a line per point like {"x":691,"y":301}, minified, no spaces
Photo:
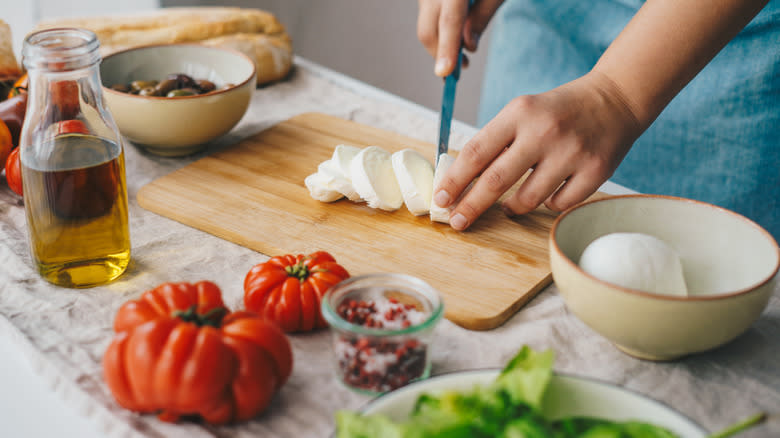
{"x":140,"y":85}
{"x":182,"y":92}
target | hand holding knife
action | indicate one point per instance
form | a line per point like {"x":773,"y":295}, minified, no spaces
{"x":448,"y":104}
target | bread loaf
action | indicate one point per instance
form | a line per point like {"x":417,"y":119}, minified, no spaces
{"x":9,"y":67}
{"x":254,"y":32}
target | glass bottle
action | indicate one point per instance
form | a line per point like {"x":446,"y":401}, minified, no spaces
{"x":72,"y":162}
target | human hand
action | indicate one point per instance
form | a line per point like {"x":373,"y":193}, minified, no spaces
{"x":443,"y":24}
{"x":572,"y":137}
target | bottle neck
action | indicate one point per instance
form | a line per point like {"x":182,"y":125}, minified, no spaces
{"x":60,"y":50}
{"x":63,"y":67}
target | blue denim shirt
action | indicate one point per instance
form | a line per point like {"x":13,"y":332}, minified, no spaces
{"x":718,"y":141}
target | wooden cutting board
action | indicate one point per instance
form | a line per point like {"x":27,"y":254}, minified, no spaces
{"x":253,"y":194}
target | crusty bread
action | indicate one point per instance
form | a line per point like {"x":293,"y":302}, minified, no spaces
{"x":256,"y":33}
{"x":9,"y":67}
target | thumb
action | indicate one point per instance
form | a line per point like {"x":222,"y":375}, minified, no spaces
{"x":477,"y":21}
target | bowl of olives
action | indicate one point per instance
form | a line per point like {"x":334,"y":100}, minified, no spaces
{"x":173,"y":99}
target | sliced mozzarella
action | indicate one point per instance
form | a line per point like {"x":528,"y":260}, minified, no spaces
{"x":342,"y":156}
{"x":373,"y":178}
{"x":637,"y":261}
{"x":319,"y":189}
{"x":415,"y":179}
{"x":441,"y":214}
{"x":337,"y":180}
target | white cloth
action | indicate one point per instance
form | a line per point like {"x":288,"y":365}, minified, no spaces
{"x":65,"y":332}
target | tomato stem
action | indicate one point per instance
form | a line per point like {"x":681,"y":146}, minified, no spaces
{"x":298,"y":270}
{"x":211,"y":318}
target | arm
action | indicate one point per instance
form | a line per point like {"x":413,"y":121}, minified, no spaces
{"x":666,"y":44}
{"x":575,"y":136}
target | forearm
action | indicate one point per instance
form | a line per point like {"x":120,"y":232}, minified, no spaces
{"x":666,"y":44}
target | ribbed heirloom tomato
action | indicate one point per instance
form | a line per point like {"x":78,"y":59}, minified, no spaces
{"x":288,"y":289}
{"x":179,"y":352}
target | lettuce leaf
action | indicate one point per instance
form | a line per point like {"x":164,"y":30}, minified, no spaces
{"x":510,"y":407}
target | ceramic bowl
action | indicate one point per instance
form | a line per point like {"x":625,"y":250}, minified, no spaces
{"x":566,"y":396}
{"x":730,"y":266}
{"x":182,"y":125}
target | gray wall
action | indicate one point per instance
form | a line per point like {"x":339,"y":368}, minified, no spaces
{"x":371,"y":40}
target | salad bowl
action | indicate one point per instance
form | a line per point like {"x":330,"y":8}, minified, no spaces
{"x":566,"y":396}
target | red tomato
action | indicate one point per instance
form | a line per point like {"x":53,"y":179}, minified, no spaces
{"x":13,"y":172}
{"x":178,"y":352}
{"x":72,"y":127}
{"x":288,"y":289}
{"x":65,"y":97}
{"x":6,"y":142}
{"x":203,"y":297}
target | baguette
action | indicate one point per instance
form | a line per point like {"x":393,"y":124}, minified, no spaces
{"x":256,"y":33}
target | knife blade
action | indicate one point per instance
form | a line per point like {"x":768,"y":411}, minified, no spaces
{"x":448,"y":105}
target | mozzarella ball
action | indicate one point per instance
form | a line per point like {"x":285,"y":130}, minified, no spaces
{"x":636,"y":261}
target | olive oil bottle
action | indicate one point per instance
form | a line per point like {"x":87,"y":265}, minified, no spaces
{"x":77,"y":215}
{"x":72,"y":162}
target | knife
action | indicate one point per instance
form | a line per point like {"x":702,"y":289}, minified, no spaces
{"x":448,"y":105}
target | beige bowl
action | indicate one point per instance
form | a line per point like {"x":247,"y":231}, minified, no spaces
{"x":183,"y":125}
{"x":730,"y":265}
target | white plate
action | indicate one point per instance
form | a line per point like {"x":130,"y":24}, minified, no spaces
{"x":566,"y":396}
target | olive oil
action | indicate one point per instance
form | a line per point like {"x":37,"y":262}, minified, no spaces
{"x":76,"y":206}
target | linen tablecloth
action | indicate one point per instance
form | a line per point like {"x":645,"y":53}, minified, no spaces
{"x":63,"y":333}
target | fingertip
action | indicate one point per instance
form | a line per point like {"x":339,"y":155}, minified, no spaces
{"x":442,"y":199}
{"x":507,"y":210}
{"x":458,"y":222}
{"x":443,"y":67}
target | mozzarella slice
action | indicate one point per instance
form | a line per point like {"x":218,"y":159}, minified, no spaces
{"x":441,"y":214}
{"x":374,"y":180}
{"x":337,"y":180}
{"x":342,"y":156}
{"x":319,"y":188}
{"x":637,"y":261}
{"x":415,"y":179}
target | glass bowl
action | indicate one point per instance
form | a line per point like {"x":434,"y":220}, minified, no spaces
{"x":382,"y":327}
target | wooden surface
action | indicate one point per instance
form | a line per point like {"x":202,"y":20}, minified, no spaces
{"x":253,"y":194}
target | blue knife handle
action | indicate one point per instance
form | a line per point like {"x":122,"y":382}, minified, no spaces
{"x":448,"y":104}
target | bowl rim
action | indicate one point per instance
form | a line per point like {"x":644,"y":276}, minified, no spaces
{"x":371,"y":404}
{"x":252,"y":76}
{"x":695,"y":298}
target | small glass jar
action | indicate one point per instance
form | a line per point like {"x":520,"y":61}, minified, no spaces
{"x":382,"y":327}
{"x":72,"y":163}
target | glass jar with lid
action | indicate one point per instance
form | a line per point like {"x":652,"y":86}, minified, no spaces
{"x":72,"y":163}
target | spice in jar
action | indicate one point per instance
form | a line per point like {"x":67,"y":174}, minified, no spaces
{"x":380,"y":363}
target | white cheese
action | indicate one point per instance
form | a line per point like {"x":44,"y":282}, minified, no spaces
{"x":337,"y":180}
{"x":373,"y":179}
{"x":636,"y":261}
{"x":317,"y":183}
{"x":415,"y":179}
{"x":440,"y":214}
{"x":342,"y":156}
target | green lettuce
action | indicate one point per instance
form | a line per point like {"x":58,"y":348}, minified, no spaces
{"x":509,"y":407}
